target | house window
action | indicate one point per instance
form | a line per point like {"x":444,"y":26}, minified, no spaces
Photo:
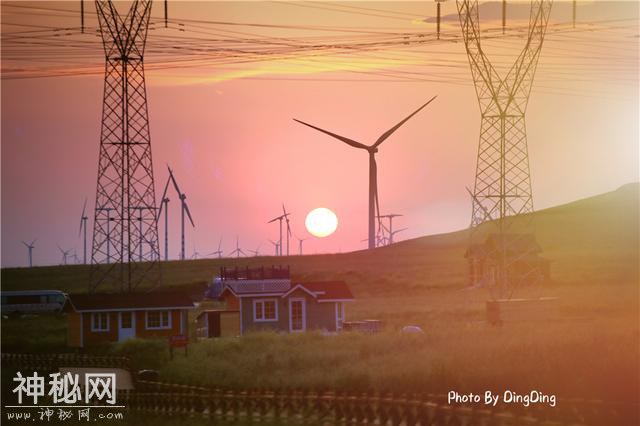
{"x":100,"y":321}
{"x":158,"y":320}
{"x":265,"y":310}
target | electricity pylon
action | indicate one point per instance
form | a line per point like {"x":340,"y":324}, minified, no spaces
{"x":125,"y":255}
{"x":503,"y":182}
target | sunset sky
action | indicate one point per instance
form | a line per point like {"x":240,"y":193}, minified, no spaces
{"x":222,"y":117}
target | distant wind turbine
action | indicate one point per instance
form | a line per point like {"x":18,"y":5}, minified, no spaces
{"x":276,"y":245}
{"x":238,"y":251}
{"x":217,"y":252}
{"x":286,"y":217}
{"x":373,"y":179}
{"x":30,"y":250}
{"x":280,"y":219}
{"x":184,"y":209}
{"x":65,"y":254}
{"x":300,"y":241}
{"x":390,"y":232}
{"x":256,"y":252}
{"x":83,"y":224}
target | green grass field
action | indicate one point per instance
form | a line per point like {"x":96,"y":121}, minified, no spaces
{"x":591,"y":349}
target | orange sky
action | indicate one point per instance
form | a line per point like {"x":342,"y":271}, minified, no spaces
{"x":226,"y":127}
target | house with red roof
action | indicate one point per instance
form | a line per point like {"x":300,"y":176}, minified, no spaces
{"x":272,"y":301}
{"x":115,"y":317}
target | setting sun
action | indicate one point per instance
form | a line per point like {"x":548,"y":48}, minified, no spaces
{"x":321,"y":222}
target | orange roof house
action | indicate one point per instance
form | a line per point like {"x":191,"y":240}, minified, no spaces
{"x":105,"y":318}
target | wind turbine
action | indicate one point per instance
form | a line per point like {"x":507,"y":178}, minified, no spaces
{"x":76,"y":259}
{"x":286,"y":217}
{"x":83,"y":224}
{"x":390,"y":228}
{"x":256,"y":252}
{"x":276,"y":245}
{"x":238,"y":251}
{"x":373,"y":173}
{"x":184,"y":208}
{"x":164,"y":204}
{"x":300,"y":241}
{"x":30,"y":249}
{"x":279,"y":219}
{"x":217,"y":252}
{"x":391,"y":234}
{"x":65,"y":254}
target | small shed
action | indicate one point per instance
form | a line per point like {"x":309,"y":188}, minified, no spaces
{"x":216,"y":323}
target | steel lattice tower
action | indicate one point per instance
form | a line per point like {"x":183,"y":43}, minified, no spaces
{"x":125,"y":249}
{"x":503,"y":183}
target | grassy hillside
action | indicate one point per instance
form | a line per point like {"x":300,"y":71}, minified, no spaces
{"x":594,"y":240}
{"x":590,"y":349}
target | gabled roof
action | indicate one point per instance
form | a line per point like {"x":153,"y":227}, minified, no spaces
{"x":95,"y":302}
{"x":324,"y":290}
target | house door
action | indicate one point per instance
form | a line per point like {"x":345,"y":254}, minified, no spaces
{"x":297,"y":315}
{"x":126,"y":326}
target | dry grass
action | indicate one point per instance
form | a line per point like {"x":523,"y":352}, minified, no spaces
{"x":591,"y":349}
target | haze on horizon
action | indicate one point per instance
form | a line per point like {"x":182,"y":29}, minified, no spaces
{"x":226,"y":129}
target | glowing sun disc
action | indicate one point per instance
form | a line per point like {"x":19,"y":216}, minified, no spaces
{"x":321,"y":222}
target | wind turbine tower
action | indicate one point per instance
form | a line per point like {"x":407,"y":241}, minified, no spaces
{"x":184,"y":208}
{"x":125,"y":173}
{"x":286,"y":217}
{"x":280,"y":219}
{"x":373,"y":169}
{"x":238,"y":251}
{"x":83,"y":224}
{"x":217,"y":252}
{"x":65,"y":254}
{"x":300,"y":241}
{"x":30,"y":251}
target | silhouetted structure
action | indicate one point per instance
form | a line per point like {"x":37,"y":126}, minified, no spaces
{"x":125,"y":234}
{"x":374,"y":207}
{"x":502,"y":184}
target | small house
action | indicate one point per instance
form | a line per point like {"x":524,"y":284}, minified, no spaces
{"x":104,"y":318}
{"x":267,"y":299}
{"x":520,"y":255}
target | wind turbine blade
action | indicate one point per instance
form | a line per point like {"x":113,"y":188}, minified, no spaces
{"x":186,"y":208}
{"x":34,"y":241}
{"x":25,"y":244}
{"x":389,"y":132}
{"x":84,"y":207}
{"x":273,"y":220}
{"x":341,"y":138}
{"x":219,"y":243}
{"x":173,"y":179}
{"x":164,"y":195}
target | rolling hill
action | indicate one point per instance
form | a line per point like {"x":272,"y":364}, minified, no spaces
{"x":590,"y":241}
